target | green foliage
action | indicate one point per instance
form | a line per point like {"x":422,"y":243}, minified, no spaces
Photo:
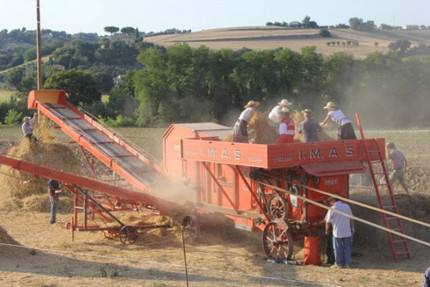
{"x":81,"y":87}
{"x":120,"y":121}
{"x":111,"y":29}
{"x":12,"y":117}
{"x":360,"y":25}
{"x":400,"y":46}
{"x":325,"y":33}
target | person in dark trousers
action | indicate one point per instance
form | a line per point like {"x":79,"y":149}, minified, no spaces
{"x":345,"y":129}
{"x":309,"y":128}
{"x":53,"y":191}
{"x":343,"y":227}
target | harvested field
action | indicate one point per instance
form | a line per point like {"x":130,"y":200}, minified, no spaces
{"x":262,"y":37}
{"x":35,"y":253}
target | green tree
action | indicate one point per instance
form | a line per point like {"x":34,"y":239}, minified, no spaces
{"x":288,"y":65}
{"x":14,"y":77}
{"x":151,"y":86}
{"x":111,"y":29}
{"x":128,"y":30}
{"x":81,"y":87}
{"x":400,"y":46}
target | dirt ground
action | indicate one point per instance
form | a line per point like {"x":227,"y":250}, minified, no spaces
{"x":36,"y":253}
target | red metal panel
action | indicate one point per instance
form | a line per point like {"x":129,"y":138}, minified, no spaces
{"x":276,"y":155}
{"x":334,"y":168}
{"x":45,"y":96}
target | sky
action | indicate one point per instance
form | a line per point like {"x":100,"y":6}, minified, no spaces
{"x":91,"y":16}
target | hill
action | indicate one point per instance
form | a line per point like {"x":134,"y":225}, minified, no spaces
{"x":262,"y":37}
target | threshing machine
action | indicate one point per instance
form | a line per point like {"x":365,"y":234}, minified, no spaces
{"x":259,"y":186}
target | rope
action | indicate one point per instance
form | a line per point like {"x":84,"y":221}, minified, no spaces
{"x":347,"y":215}
{"x":350,"y":201}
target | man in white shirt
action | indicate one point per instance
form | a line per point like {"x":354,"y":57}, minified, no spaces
{"x":343,"y":227}
{"x":27,"y":127}
{"x":273,"y":116}
{"x":240,"y":129}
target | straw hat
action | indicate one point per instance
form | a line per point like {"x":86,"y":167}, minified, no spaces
{"x":25,"y":119}
{"x":306,"y":111}
{"x":330,"y":105}
{"x":284,"y":103}
{"x":252,"y":103}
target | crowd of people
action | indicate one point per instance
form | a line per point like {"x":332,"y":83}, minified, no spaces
{"x":280,"y":120}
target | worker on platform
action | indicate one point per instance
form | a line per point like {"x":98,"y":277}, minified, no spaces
{"x":240,"y":129}
{"x":27,"y":127}
{"x":287,"y":129}
{"x":309,"y":128}
{"x":345,"y":129}
{"x":342,"y":230}
{"x":53,"y":192}
{"x":398,"y":166}
{"x":274,"y":118}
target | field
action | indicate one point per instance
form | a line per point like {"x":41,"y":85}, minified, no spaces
{"x":260,"y":38}
{"x":35,"y":253}
{"x":5,"y":95}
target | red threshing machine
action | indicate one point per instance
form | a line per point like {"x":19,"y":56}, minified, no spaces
{"x":259,"y":186}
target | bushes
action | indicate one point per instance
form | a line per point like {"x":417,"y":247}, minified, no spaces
{"x":12,"y":117}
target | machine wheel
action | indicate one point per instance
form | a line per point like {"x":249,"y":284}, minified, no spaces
{"x":109,"y":234}
{"x":277,"y":207}
{"x":128,"y":234}
{"x":191,"y":228}
{"x":277,"y":243}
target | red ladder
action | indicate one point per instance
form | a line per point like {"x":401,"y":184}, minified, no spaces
{"x":386,"y":199}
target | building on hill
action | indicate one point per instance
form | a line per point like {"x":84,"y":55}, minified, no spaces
{"x":411,"y":27}
{"x":127,"y":38}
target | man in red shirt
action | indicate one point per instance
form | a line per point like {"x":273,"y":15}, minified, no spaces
{"x":287,"y":129}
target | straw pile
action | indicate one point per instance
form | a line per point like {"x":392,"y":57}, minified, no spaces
{"x":259,"y":130}
{"x":24,"y":190}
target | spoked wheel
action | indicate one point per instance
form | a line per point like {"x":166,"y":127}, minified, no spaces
{"x":191,"y":228}
{"x":277,"y":207}
{"x":128,"y":234}
{"x":110,"y":234}
{"x":277,"y":243}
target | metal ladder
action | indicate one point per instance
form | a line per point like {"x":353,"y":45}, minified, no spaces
{"x":386,"y":199}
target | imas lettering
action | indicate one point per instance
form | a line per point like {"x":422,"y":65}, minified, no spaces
{"x":225,"y":153}
{"x":332,"y":153}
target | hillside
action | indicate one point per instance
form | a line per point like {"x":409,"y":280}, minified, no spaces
{"x":260,"y":38}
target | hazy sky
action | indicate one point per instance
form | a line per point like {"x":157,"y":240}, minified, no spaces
{"x":91,"y":16}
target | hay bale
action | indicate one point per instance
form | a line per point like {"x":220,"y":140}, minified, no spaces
{"x":260,"y":132}
{"x":17,"y":185}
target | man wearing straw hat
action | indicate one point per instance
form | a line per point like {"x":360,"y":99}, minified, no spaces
{"x":287,"y":129}
{"x":345,"y":129}
{"x":309,"y":128}
{"x":27,"y":127}
{"x":240,"y":129}
{"x":274,"y":114}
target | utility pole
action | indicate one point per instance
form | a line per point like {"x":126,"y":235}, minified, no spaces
{"x":39,"y":60}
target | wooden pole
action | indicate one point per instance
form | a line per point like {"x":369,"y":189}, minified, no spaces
{"x":39,"y":60}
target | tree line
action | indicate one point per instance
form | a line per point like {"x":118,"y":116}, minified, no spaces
{"x":160,"y":85}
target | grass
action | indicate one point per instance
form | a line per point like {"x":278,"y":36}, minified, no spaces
{"x":5,"y":95}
